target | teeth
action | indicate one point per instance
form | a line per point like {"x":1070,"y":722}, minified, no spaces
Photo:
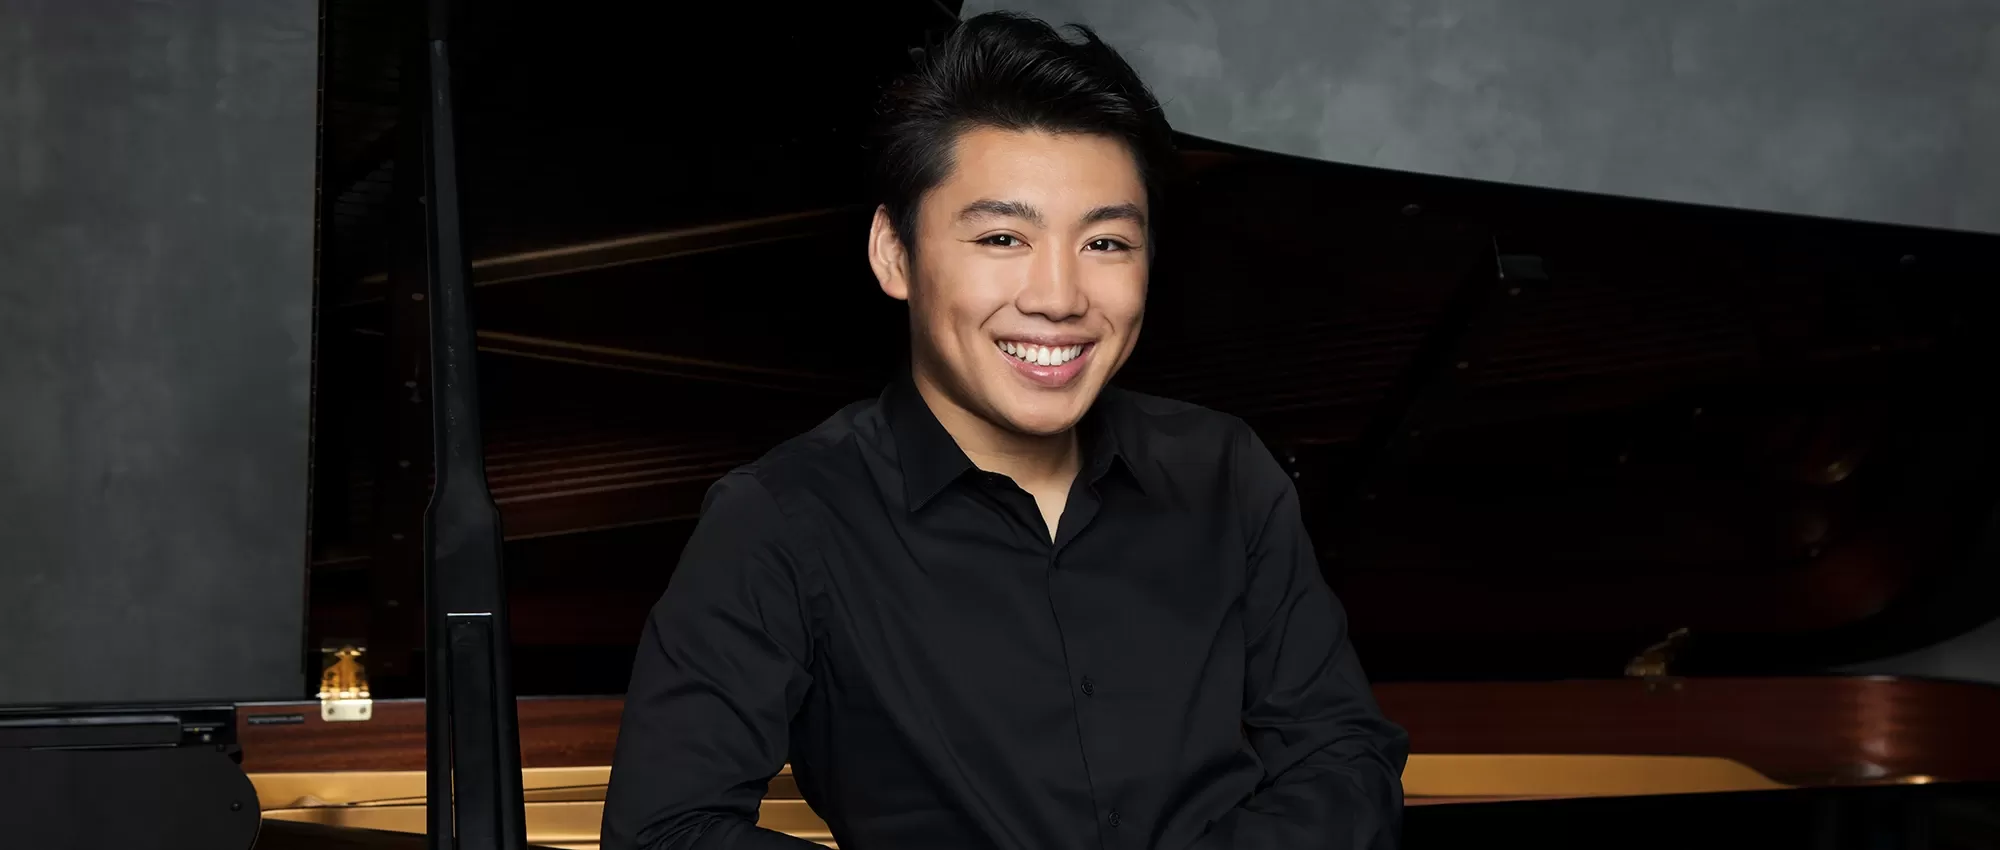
{"x":1042,"y":355}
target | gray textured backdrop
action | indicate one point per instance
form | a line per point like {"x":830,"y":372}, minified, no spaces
{"x":156,"y":250}
{"x":1883,"y":110}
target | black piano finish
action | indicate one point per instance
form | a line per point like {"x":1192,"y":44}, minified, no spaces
{"x":1534,"y":431}
{"x":1632,"y":416}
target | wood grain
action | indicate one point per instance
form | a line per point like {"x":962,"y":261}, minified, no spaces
{"x":1798,"y":730}
{"x":1828,"y":730}
{"x":555,"y":732}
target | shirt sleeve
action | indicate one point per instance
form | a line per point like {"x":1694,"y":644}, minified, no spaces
{"x":721,"y":669}
{"x":1333,"y":764}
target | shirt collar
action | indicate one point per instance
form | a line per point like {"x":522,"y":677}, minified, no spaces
{"x":925,"y":452}
{"x":1111,"y":441}
{"x":930,"y":460}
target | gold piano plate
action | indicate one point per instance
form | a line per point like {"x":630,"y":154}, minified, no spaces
{"x":1444,"y":778}
{"x":565,"y":805}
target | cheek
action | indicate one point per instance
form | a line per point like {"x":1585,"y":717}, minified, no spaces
{"x":967,"y":301}
{"x":956,"y":306}
{"x":1120,"y":296}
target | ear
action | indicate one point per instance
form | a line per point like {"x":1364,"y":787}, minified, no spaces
{"x":887,"y":257}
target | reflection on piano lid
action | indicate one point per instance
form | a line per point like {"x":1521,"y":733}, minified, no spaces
{"x":1534,"y":432}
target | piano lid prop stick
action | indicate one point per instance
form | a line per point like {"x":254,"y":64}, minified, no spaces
{"x":473,"y":748}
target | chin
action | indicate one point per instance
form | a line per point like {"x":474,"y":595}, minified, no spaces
{"x":1046,"y":417}
{"x":1042,"y":426}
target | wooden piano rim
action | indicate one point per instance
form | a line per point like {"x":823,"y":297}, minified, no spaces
{"x":1428,"y":776}
{"x":1816,"y":730}
{"x":565,"y":804}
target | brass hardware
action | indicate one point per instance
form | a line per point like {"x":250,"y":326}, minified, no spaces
{"x":343,"y":686}
{"x":1652,"y":664}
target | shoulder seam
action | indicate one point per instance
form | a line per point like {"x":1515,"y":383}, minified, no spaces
{"x":790,"y":548}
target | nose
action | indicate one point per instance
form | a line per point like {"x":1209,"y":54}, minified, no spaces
{"x":1054,"y":288}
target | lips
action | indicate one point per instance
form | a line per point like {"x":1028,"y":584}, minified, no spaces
{"x":1048,"y":366}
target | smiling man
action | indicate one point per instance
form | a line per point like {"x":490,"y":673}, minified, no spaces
{"x":1007,"y":605}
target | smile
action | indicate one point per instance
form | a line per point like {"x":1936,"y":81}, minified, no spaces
{"x":1047,"y":366}
{"x":1041,"y":355}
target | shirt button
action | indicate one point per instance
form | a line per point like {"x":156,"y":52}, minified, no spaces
{"x":1112,"y":817}
{"x":1089,"y":687}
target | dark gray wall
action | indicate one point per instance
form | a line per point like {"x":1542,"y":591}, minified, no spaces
{"x":156,"y":256}
{"x":1882,"y":110}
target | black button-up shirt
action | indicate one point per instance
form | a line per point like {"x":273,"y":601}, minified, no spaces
{"x":1170,"y":671}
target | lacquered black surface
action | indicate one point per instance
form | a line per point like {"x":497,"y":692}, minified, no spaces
{"x":474,"y":796}
{"x":1533,"y":431}
{"x":163,"y":797}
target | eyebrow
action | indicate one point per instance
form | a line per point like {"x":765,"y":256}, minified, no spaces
{"x":991,"y":208}
{"x":1116,"y":212}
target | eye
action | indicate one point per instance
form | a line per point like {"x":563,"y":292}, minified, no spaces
{"x":1001,"y":240}
{"x":1106,"y":244}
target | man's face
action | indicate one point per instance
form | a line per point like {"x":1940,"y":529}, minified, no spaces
{"x":1029,"y":279}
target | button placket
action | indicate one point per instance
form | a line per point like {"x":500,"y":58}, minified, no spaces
{"x":1084,"y":684}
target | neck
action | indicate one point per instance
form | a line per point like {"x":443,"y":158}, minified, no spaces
{"x":1032,"y":461}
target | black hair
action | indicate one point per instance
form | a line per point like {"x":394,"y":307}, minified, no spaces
{"x":1011,"y":72}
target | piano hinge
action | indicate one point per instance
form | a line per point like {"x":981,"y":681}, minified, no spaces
{"x":343,"y":685}
{"x":1652,"y":664}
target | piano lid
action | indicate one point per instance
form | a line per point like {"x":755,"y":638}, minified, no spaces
{"x":1535,"y":431}
{"x":1882,"y":112}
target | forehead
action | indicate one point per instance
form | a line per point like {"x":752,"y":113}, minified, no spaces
{"x":1055,"y":171}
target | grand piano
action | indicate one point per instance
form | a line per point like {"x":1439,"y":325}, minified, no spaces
{"x":1614,"y":490}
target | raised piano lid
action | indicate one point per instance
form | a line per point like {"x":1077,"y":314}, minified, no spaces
{"x":1759,"y":428}
{"x":611,"y":156}
{"x":1536,"y":431}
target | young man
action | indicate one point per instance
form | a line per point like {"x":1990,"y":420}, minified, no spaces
{"x":1006,"y":605}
